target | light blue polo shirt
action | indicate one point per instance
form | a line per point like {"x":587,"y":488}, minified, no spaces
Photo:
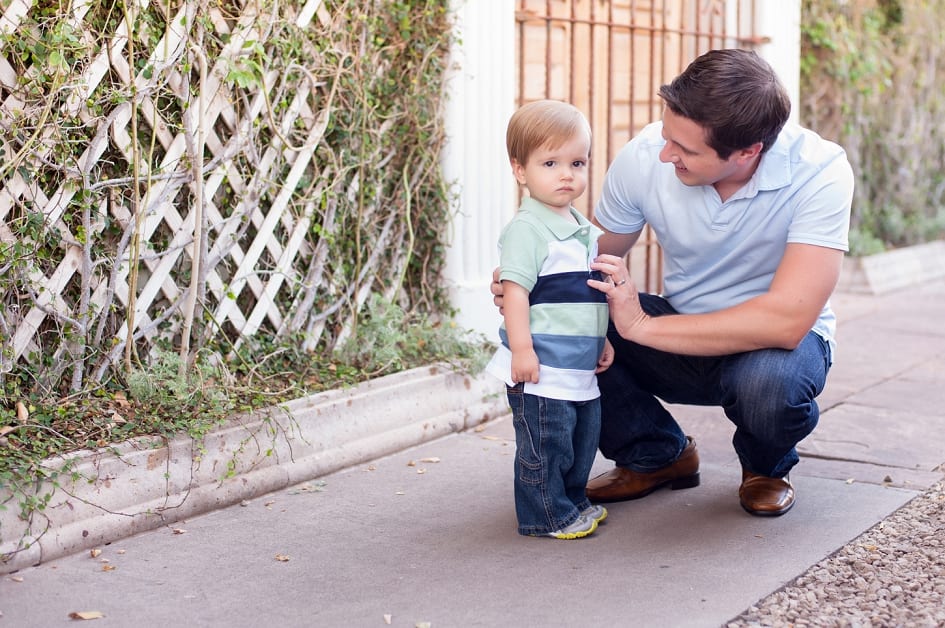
{"x":717,"y":255}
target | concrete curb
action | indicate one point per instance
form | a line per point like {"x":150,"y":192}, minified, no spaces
{"x":893,"y":270}
{"x":146,"y":483}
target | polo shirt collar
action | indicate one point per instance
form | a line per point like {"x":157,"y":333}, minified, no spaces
{"x":774,"y":171}
{"x":559,"y":226}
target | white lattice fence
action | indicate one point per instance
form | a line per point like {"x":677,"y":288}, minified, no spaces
{"x":143,"y":154}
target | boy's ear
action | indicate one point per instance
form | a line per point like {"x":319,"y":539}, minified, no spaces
{"x":518,"y":170}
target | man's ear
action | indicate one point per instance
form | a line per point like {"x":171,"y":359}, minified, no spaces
{"x":752,"y":152}
{"x":518,"y":170}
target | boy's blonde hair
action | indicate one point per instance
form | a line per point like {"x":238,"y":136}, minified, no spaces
{"x":540,"y":123}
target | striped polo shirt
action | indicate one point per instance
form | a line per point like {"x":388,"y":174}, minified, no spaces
{"x":550,"y":257}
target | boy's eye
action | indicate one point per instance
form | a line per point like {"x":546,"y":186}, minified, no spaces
{"x":549,"y":164}
{"x":577,"y":164}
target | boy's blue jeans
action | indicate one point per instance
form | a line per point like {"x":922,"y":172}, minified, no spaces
{"x":555,"y":445}
{"x":768,"y":394}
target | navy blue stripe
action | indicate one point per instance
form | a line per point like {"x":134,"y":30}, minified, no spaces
{"x":565,"y":288}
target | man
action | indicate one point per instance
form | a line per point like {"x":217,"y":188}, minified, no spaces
{"x":752,"y":215}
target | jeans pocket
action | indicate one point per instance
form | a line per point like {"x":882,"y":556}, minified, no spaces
{"x":529,"y":467}
{"x":527,"y":460}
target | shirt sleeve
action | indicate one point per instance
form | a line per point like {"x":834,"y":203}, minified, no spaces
{"x":822,"y":217}
{"x":522,"y":251}
{"x":619,"y":209}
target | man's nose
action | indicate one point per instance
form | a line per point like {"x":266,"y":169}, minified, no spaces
{"x":667,"y":155}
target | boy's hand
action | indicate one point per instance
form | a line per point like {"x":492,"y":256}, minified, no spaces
{"x":525,"y":367}
{"x":606,"y":357}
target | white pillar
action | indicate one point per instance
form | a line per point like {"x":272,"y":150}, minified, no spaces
{"x":780,"y":22}
{"x":480,"y":100}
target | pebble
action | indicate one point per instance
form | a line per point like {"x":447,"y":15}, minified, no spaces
{"x":891,"y":575}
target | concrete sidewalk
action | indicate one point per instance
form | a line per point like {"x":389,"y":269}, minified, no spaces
{"x":426,"y":535}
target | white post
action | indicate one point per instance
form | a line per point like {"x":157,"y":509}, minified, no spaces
{"x":780,"y":22}
{"x":480,"y":100}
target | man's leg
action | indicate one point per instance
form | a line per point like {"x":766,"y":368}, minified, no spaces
{"x":770,"y":397}
{"x":637,"y":432}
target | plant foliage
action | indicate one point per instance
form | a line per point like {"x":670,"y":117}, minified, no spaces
{"x":201,"y":203}
{"x":871,"y":77}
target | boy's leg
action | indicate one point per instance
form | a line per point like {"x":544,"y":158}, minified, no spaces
{"x":543,"y":432}
{"x":584,"y":444}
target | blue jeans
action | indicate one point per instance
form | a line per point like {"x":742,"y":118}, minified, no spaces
{"x":555,"y":445}
{"x":768,"y":394}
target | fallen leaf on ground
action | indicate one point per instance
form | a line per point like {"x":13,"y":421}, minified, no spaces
{"x":179,"y":531}
{"x":411,"y":463}
{"x":318,"y":487}
{"x":282,"y":558}
{"x":95,"y":553}
{"x":399,"y":493}
{"x":86,"y":615}
{"x":421,"y":470}
{"x":487,"y":437}
{"x":430,"y":459}
{"x":16,"y":578}
{"x":387,"y":618}
{"x":22,"y":413}
{"x":109,"y":567}
{"x":5,"y":429}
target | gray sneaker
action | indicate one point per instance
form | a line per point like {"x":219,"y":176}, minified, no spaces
{"x":581,"y":527}
{"x":595,"y":512}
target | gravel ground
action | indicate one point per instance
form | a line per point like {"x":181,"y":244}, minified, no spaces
{"x":891,"y":575}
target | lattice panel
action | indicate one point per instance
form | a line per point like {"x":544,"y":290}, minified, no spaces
{"x":167,"y":111}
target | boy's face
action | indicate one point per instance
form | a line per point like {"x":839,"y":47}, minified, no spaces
{"x":556,"y":176}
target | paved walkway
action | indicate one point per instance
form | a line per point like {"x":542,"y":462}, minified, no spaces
{"x":427,"y":536}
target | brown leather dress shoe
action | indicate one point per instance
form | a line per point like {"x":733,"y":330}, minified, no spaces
{"x":621,"y":484}
{"x":764,"y":496}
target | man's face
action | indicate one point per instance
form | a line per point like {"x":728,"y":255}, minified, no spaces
{"x":696,"y":163}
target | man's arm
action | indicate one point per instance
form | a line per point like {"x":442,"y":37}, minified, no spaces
{"x":615,"y":243}
{"x":780,"y":318}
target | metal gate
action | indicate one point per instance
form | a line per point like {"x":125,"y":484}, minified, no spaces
{"x":609,"y":58}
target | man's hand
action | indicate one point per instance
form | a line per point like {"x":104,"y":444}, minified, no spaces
{"x":622,"y":297}
{"x":498,"y":292}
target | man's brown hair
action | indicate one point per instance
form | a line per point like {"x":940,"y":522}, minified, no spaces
{"x":734,"y":95}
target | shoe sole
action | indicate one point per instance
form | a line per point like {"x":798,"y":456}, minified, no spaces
{"x":574,"y":535}
{"x":767,"y":513}
{"x":689,"y":481}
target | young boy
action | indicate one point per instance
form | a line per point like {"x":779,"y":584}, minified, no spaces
{"x":554,"y":329}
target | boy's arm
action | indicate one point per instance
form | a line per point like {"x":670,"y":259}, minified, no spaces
{"x":515,"y":312}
